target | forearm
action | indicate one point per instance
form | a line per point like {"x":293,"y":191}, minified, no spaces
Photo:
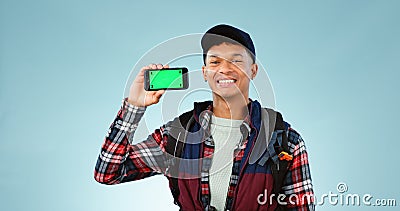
{"x":114,"y":164}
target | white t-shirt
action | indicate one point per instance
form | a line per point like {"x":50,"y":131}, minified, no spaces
{"x":226,"y":134}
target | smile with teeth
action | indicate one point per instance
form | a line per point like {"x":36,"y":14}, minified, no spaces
{"x":228,"y":81}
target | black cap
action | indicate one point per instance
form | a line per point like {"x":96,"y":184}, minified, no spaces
{"x":225,"y":33}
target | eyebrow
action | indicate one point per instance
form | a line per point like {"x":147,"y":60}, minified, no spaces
{"x":216,"y":55}
{"x":237,"y":54}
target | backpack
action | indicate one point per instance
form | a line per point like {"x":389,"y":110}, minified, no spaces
{"x":186,"y":120}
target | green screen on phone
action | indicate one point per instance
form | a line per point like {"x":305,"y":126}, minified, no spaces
{"x":163,"y":79}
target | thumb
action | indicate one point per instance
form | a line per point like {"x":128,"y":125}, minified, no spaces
{"x":157,"y":95}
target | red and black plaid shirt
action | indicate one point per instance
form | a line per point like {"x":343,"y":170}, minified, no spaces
{"x":121,"y":161}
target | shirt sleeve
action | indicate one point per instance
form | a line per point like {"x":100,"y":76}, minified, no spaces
{"x":297,"y":184}
{"x":121,"y":161}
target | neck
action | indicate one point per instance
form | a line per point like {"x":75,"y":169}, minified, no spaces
{"x":230,"y":108}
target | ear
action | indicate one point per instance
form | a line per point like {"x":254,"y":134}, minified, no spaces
{"x":204,"y":70}
{"x":254,"y":70}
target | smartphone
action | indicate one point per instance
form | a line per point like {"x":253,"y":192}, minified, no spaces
{"x":168,"y":79}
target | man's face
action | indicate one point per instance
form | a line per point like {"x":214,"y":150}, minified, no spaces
{"x":228,"y":70}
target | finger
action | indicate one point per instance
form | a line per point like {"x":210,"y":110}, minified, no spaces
{"x":166,"y":66}
{"x":158,"y":94}
{"x":155,"y":96}
{"x":159,"y":66}
{"x":161,"y":92}
{"x":140,"y":75}
{"x":153,"y":66}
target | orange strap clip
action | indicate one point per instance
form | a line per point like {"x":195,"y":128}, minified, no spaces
{"x":285,"y":156}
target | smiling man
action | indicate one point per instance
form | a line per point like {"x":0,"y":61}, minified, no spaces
{"x":228,"y":69}
{"x":225,"y":154}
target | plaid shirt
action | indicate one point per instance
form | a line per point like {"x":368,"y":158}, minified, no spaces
{"x":121,"y":161}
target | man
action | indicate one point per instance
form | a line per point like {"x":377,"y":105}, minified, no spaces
{"x":232,"y":155}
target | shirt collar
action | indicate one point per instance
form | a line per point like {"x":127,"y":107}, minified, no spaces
{"x":204,"y":111}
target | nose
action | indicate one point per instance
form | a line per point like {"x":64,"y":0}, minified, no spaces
{"x":225,"y":67}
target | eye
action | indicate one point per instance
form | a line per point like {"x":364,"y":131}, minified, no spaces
{"x":214,"y":62}
{"x":236,"y":61}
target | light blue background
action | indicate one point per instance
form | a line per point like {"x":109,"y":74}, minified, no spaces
{"x":334,"y":66}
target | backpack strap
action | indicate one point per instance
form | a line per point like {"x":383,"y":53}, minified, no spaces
{"x":178,"y":132}
{"x":268,"y":117}
{"x":175,"y":145}
{"x":272,"y":144}
{"x":280,"y":168}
